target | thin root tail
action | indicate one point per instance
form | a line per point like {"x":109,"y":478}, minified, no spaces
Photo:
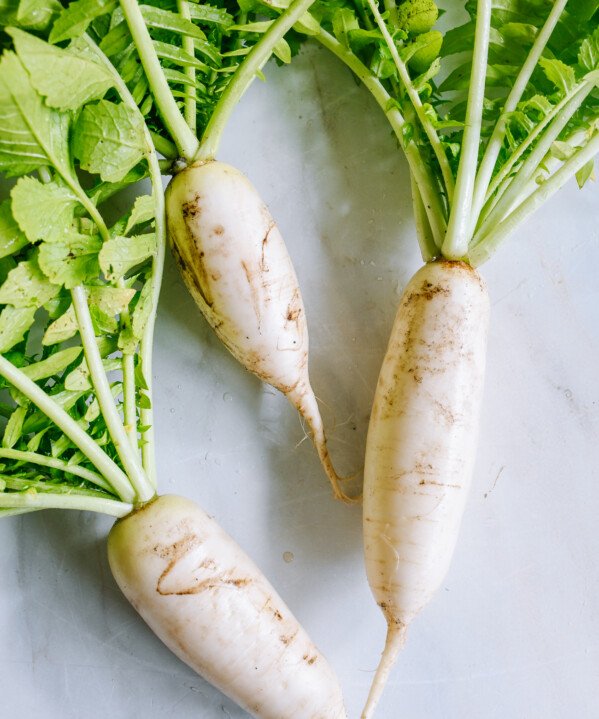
{"x":304,"y":400}
{"x":396,"y":637}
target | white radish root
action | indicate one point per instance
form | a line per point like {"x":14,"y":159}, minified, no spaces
{"x":421,"y":445}
{"x":210,"y":604}
{"x":237,"y":268}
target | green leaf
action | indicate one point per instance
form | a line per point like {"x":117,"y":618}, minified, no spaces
{"x":37,"y":14}
{"x":52,"y":365}
{"x":66,"y":80}
{"x":131,"y":336}
{"x":32,"y":135}
{"x":559,"y":74}
{"x":11,"y":237}
{"x":109,"y":140}
{"x":142,"y":212}
{"x":344,"y":21}
{"x":27,"y":286}
{"x":14,"y":323}
{"x":210,"y":15}
{"x":117,"y":40}
{"x":173,"y":22}
{"x":561,"y":150}
{"x":282,"y":51}
{"x":75,"y":19}
{"x":43,"y":211}
{"x":519,"y":32}
{"x":588,"y":57}
{"x":111,"y":300}
{"x":586,"y":173}
{"x":105,"y":190}
{"x":176,"y":55}
{"x":79,"y":379}
{"x":61,"y":329}
{"x":120,"y":254}
{"x":72,"y":261}
{"x":14,"y":427}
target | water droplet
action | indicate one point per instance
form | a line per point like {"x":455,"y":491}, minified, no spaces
{"x":568,"y":394}
{"x":288,"y":557}
{"x":227,"y":397}
{"x":172,"y":410}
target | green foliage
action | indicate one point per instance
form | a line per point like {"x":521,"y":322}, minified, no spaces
{"x":108,"y":140}
{"x":66,"y":80}
{"x":56,"y":122}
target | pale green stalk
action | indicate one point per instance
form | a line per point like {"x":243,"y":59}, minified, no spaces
{"x":129,"y":400}
{"x":244,"y":76}
{"x":21,"y":484}
{"x":106,"y":466}
{"x":128,"y":457}
{"x":59,"y":464}
{"x":163,"y":146}
{"x":455,"y":245}
{"x":190,"y":111}
{"x":419,"y":169}
{"x":47,"y":500}
{"x":489,"y":160}
{"x":184,"y":138}
{"x":129,"y":388}
{"x":146,"y":415}
{"x":488,"y":244}
{"x":426,"y":241}
{"x":427,"y":126}
{"x":531,"y":165}
{"x":391,"y":8}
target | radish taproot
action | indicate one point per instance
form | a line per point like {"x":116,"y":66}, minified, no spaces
{"x":539,"y":130}
{"x":235,"y":264}
{"x":227,"y":246}
{"x":421,"y":444}
{"x":210,"y":604}
{"x":78,"y":302}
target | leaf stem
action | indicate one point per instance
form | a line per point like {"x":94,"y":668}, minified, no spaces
{"x":184,"y":138}
{"x":166,"y":148}
{"x":455,"y":245}
{"x":427,"y":125}
{"x":148,"y":452}
{"x":109,"y":469}
{"x":244,"y":76}
{"x":106,"y":401}
{"x":59,"y":464}
{"x":30,"y":500}
{"x":426,"y":241}
{"x":147,"y":340}
{"x":190,"y":90}
{"x":489,"y":160}
{"x":487,"y":245}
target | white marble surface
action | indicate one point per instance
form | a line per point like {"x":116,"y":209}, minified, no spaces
{"x":514,"y":633}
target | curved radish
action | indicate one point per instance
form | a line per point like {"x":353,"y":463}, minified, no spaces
{"x":421,"y":444}
{"x":209,"y":603}
{"x":236,"y":266}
